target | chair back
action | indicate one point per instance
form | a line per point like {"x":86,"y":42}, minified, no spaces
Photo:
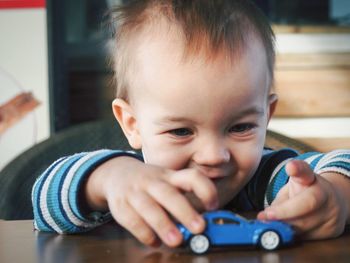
{"x":18,"y":177}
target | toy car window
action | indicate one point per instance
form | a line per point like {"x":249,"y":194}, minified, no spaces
{"x":218,"y":221}
{"x":222,"y":221}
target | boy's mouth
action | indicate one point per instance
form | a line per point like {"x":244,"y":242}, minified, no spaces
{"x":214,"y":173}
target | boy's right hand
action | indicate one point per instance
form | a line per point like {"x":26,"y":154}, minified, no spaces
{"x":143,"y":198}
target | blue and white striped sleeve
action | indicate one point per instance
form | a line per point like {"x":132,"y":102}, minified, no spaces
{"x":55,"y":194}
{"x":337,"y":161}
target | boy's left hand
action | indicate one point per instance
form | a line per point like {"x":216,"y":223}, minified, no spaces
{"x":315,"y":205}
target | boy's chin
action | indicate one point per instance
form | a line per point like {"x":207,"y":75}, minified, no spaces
{"x":227,"y":187}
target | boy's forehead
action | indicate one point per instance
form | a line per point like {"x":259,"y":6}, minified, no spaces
{"x":162,"y":72}
{"x":165,"y":50}
{"x":196,"y":89}
{"x":169,"y":40}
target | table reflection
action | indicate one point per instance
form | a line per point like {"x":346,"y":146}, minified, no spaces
{"x":114,"y":245}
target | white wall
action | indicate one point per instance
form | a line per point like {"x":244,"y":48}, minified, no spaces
{"x":24,"y":65}
{"x":312,"y":43}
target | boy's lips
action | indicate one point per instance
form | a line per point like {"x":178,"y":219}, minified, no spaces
{"x":214,"y":173}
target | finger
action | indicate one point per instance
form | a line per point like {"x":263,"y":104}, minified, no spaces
{"x":316,"y":227}
{"x":128,"y":218}
{"x":302,"y":204}
{"x":177,"y":205}
{"x":155,"y":216}
{"x":308,"y":223}
{"x":300,"y":172}
{"x":191,"y":180}
{"x":328,"y":230}
{"x":327,"y":222}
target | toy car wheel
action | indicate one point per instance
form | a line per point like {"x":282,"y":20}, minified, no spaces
{"x":199,"y":244}
{"x":270,"y":240}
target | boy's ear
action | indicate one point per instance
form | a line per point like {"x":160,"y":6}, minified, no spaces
{"x":124,"y":114}
{"x":273,"y":99}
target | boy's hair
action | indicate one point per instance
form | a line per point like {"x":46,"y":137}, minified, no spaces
{"x":211,"y":26}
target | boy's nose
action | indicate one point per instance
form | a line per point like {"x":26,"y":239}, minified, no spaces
{"x":212,"y":153}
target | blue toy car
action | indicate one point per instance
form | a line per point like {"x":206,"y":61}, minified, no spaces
{"x":225,"y":228}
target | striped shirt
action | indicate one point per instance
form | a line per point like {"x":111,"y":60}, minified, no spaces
{"x":56,"y":194}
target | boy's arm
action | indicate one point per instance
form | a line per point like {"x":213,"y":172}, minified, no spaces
{"x":315,"y":197}
{"x":142,"y":198}
{"x":56,"y":194}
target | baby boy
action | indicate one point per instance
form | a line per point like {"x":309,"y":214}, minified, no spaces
{"x":195,"y":94}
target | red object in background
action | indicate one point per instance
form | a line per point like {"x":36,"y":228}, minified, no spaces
{"x":15,"y":109}
{"x":22,"y":3}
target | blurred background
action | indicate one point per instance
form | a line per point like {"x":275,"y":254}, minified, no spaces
{"x":57,"y":51}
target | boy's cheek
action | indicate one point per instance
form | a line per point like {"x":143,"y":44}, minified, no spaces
{"x":165,"y":157}
{"x":248,"y":157}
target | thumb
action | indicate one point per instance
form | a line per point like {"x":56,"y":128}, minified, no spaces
{"x":300,"y":176}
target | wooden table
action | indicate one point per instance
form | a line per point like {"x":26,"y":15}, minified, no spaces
{"x":19,"y":243}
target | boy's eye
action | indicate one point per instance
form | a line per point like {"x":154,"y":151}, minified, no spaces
{"x":181,"y":132}
{"x":242,"y":127}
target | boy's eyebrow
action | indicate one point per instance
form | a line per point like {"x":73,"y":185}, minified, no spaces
{"x":250,"y":111}
{"x":166,"y":119}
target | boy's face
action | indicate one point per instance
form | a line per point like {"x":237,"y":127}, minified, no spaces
{"x":201,"y":114}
